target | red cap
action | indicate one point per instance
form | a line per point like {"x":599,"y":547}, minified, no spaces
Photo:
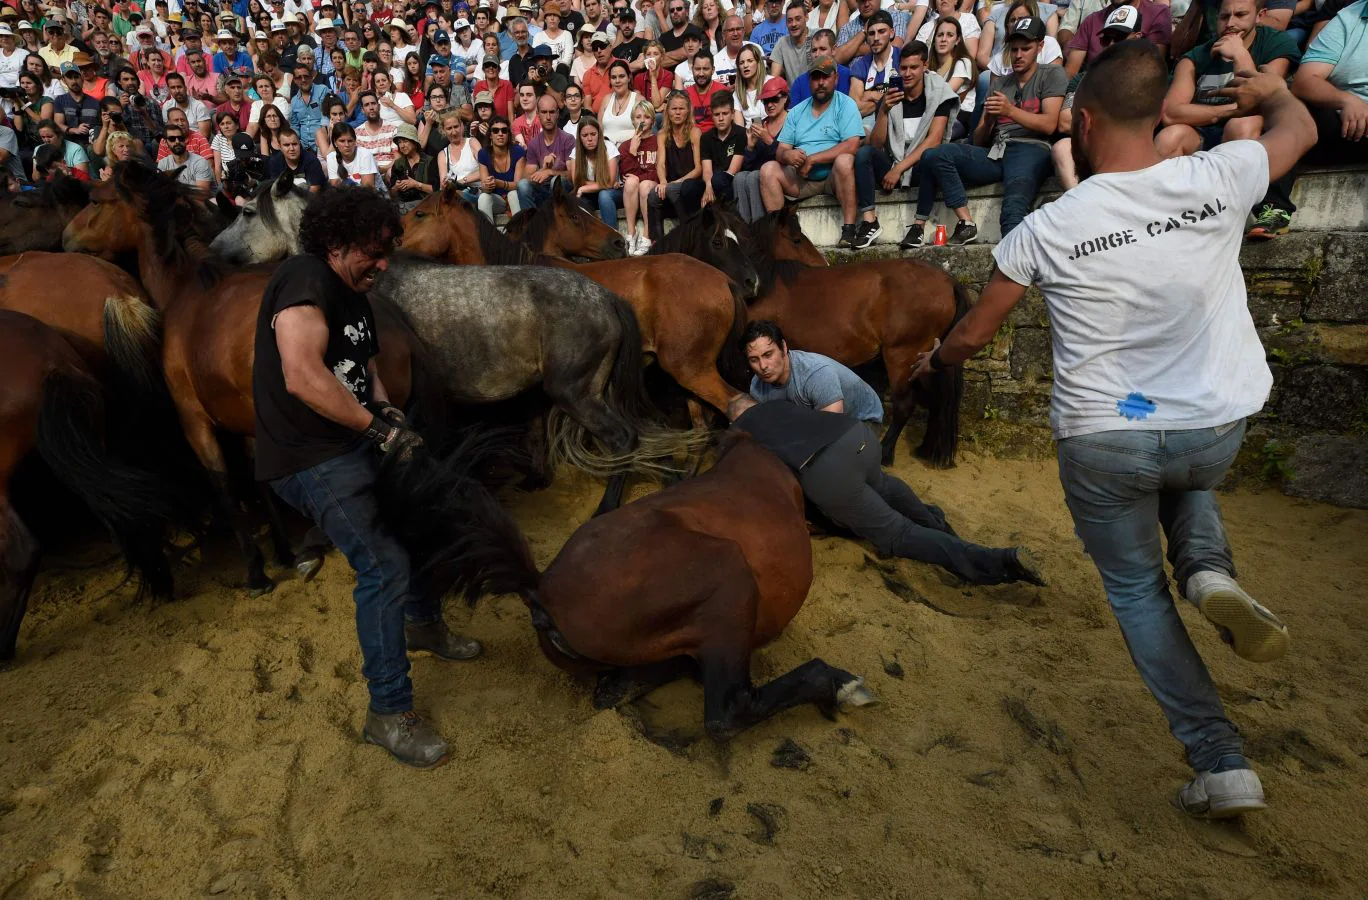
{"x":773,"y":88}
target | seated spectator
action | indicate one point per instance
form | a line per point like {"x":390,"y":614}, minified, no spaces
{"x":1084,"y":46}
{"x":655,"y":80}
{"x":526,"y":125}
{"x":10,"y":161}
{"x":225,"y":124}
{"x":1000,"y":63}
{"x":193,"y":139}
{"x":733,"y":39}
{"x":970,"y":30}
{"x":913,"y":116}
{"x":292,"y":160}
{"x":594,"y":172}
{"x":414,"y":174}
{"x":334,"y":111}
{"x":501,"y":93}
{"x":1333,"y":82}
{"x":822,"y":42}
{"x":77,"y":112}
{"x":949,"y":58}
{"x":683,"y":71}
{"x":615,"y":112}
{"x":349,"y":163}
{"x":722,"y":151}
{"x":501,"y":168}
{"x":196,"y":113}
{"x":750,"y":81}
{"x":120,"y":147}
{"x":235,"y":102}
{"x":594,"y":81}
{"x":637,"y":168}
{"x":306,"y":108}
{"x":869,"y":73}
{"x":628,"y":45}
{"x":701,"y":92}
{"x":851,"y":41}
{"x":374,"y":134}
{"x":679,"y":167}
{"x":1020,"y":115}
{"x":1197,"y":117}
{"x":71,"y":154}
{"x":457,"y":163}
{"x":49,"y":161}
{"x":1276,"y":14}
{"x":771,"y":29}
{"x":816,"y":151}
{"x":762,"y":139}
{"x":200,"y":82}
{"x":791,"y":53}
{"x":1121,"y":25}
{"x":191,"y":169}
{"x":547,"y":157}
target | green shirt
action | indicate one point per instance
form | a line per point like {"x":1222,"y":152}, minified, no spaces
{"x":121,"y":26}
{"x":1213,"y":73}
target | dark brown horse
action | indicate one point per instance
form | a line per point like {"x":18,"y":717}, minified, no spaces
{"x":34,"y":219}
{"x":688,"y":580}
{"x":687,"y":311}
{"x":50,"y":401}
{"x":209,"y":326}
{"x":892,"y":309}
{"x":570,"y":232}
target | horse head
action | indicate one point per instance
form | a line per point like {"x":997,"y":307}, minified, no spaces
{"x":444,"y":227}
{"x":718,"y":241}
{"x":562,"y":227}
{"x":267,"y":227}
{"x":113,"y":223}
{"x":784,"y":239}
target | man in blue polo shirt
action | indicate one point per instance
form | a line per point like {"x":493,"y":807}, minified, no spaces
{"x":823,"y":40}
{"x":816,"y":151}
{"x":228,"y":55}
{"x":306,"y":109}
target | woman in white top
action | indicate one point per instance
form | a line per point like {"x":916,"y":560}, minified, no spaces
{"x":828,"y":14}
{"x":584,"y":55}
{"x":395,"y":106}
{"x":969,"y":25}
{"x":456,"y":163}
{"x":615,"y":113}
{"x":949,"y":58}
{"x":348,"y":162}
{"x":750,"y":79}
{"x":265,"y":88}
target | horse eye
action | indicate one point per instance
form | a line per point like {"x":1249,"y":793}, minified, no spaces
{"x":419,"y":214}
{"x":248,"y":212}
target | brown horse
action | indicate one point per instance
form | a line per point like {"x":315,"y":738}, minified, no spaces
{"x":209,"y":328}
{"x":50,"y":401}
{"x":688,"y":580}
{"x":572,"y":232}
{"x":34,"y":219}
{"x":687,"y":329}
{"x":858,"y":312}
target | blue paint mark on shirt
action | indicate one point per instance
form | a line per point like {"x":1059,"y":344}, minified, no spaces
{"x":1135,"y":406}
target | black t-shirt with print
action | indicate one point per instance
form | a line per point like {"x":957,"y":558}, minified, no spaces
{"x":291,"y":437}
{"x":630,"y":50}
{"x":721,"y":150}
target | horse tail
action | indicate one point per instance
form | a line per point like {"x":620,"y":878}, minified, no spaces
{"x":450,"y":522}
{"x":944,"y":395}
{"x":132,"y":336}
{"x":647,"y":446}
{"x":731,"y":360}
{"x":133,"y":504}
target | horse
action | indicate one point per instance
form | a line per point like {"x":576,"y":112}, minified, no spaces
{"x":855,"y":313}
{"x":34,"y":219}
{"x":688,"y":580}
{"x":209,"y":326}
{"x":691,"y":333}
{"x":51,"y":401}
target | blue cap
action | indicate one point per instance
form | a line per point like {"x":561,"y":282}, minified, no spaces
{"x":441,"y":37}
{"x":543,"y":51}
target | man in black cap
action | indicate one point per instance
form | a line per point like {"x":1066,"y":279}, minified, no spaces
{"x":836,"y":459}
{"x":629,"y":45}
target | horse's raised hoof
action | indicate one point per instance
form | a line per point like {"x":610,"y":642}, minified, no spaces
{"x":260,"y":590}
{"x":853,"y":694}
{"x":308,"y":564}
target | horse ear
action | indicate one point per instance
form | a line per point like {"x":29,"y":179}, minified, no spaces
{"x":556,"y":191}
{"x":283,"y":185}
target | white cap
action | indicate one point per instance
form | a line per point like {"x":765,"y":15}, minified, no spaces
{"x":5,"y":29}
{"x":462,"y":22}
{"x":144,"y":30}
{"x":260,"y":35}
{"x":225,"y":35}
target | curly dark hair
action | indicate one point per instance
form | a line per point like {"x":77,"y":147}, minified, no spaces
{"x":347,"y":216}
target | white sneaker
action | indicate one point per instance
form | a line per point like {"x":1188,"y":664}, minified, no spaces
{"x":1256,"y":633}
{"x":643,"y":245}
{"x":1221,"y":795}
{"x":634,"y":244}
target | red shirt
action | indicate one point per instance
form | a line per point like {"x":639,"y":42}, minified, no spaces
{"x":243,"y":113}
{"x":643,"y":87}
{"x":702,"y":104}
{"x":503,"y":95}
{"x":642,"y":163}
{"x":194,"y":143}
{"x":594,"y":83}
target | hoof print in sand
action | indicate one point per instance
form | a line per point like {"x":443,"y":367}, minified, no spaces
{"x":790,"y":755}
{"x":769,"y":817}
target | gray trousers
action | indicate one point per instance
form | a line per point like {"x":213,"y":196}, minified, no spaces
{"x":848,"y":484}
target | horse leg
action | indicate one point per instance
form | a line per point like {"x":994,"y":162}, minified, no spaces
{"x":619,"y":686}
{"x":309,"y":559}
{"x":199,"y":431}
{"x":19,"y":555}
{"x":538,"y":475}
{"x":733,"y":704}
{"x":903,"y":395}
{"x":612,"y":494}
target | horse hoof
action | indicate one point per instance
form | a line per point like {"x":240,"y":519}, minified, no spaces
{"x":308,"y":566}
{"x":853,"y":694}
{"x":260,"y":590}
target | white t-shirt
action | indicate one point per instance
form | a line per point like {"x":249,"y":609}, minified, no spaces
{"x":969,"y":27}
{"x":608,"y":148}
{"x":1150,"y":325}
{"x":11,"y":66}
{"x":391,"y":116}
{"x":362,"y":164}
{"x":195,"y":111}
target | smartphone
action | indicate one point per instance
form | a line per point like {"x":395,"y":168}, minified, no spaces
{"x":894,"y":82}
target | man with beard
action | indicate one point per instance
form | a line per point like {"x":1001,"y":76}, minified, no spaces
{"x":375,"y":134}
{"x":1011,"y":144}
{"x":791,"y":53}
{"x":1198,"y":118}
{"x":1157,"y":364}
{"x":322,"y":420}
{"x":672,"y":38}
{"x":869,"y":74}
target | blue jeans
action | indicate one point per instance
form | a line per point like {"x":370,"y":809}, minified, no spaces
{"x":607,"y":203}
{"x":871,"y":165}
{"x":531,"y":194}
{"x":1121,"y":488}
{"x":338,"y":496}
{"x":1022,"y":170}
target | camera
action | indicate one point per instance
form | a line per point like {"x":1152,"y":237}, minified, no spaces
{"x":139,"y":100}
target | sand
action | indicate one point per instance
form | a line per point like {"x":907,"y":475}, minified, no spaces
{"x":212,"y":745}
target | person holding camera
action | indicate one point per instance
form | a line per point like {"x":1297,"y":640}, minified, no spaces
{"x":112,"y":121}
{"x":140,"y":119}
{"x":912,"y":116}
{"x":76,"y":112}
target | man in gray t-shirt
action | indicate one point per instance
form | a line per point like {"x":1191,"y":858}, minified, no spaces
{"x":807,"y":379}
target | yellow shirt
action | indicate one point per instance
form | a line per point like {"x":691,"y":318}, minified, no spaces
{"x":55,"y":58}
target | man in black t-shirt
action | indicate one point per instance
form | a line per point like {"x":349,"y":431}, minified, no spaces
{"x":629,"y":47}
{"x":321,"y":415}
{"x":722,"y":150}
{"x":302,"y":165}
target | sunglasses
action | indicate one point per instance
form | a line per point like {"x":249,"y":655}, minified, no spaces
{"x":774,"y":99}
{"x":498,"y":131}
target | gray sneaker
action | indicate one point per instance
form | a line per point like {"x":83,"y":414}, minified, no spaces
{"x":965,"y":233}
{"x":1252,"y":630}
{"x":408,"y":737}
{"x":437,"y":639}
{"x":1221,"y":795}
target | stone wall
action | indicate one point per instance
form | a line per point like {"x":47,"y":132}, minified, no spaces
{"x":1308,"y":293}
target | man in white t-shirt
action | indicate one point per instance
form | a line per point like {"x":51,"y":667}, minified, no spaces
{"x":1157,"y":365}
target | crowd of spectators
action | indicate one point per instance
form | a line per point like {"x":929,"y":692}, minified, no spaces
{"x":652,"y":107}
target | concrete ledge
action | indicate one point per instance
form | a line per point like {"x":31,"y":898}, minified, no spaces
{"x":1328,"y":199}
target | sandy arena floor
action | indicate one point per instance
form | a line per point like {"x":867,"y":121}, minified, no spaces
{"x":212,"y":745}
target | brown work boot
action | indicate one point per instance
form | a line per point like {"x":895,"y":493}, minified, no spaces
{"x":408,"y":737}
{"x":436,"y":638}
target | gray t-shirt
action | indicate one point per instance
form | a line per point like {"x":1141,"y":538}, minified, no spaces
{"x":1048,"y":81}
{"x":816,"y":381}
{"x":795,"y":60}
{"x":196,"y":169}
{"x":9,"y":142}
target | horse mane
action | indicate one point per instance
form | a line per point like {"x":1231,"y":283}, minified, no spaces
{"x":171,"y":211}
{"x":759,"y":244}
{"x":61,"y":190}
{"x":688,"y":235}
{"x":538,"y":225}
{"x":498,"y":248}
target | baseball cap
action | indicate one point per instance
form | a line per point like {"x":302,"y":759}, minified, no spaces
{"x":278,"y":25}
{"x":69,"y":68}
{"x":1124,"y":19}
{"x":26,"y":26}
{"x":484,"y":98}
{"x":144,"y":31}
{"x":188,"y":33}
{"x":773,"y":88}
{"x":407,"y":132}
{"x":460,"y":23}
{"x":237,"y":73}
{"x":134,"y":12}
{"x":56,"y":18}
{"x":599,"y":38}
{"x":225,"y":35}
{"x":490,"y":62}
{"x":823,"y":64}
{"x":441,"y":37}
{"x":243,"y":145}
{"x":1028,"y":29}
